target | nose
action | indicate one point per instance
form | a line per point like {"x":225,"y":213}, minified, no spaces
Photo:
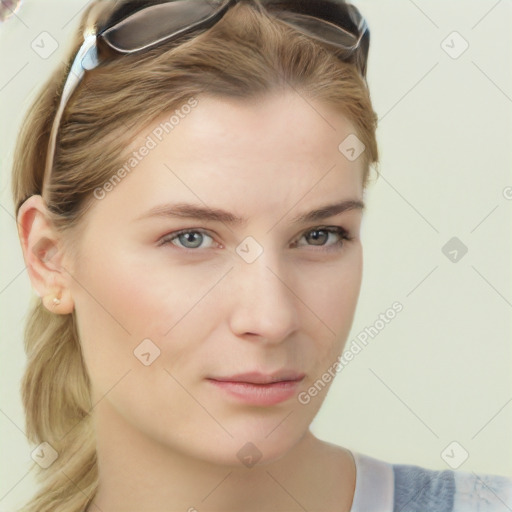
{"x":264,"y":305}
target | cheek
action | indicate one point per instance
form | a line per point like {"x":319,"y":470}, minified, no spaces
{"x":130,"y":295}
{"x":332,"y":290}
{"x":331,"y":293}
{"x":122,"y":300}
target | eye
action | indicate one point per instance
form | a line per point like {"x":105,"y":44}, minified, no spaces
{"x":321,"y":234}
{"x":193,"y":238}
{"x":188,"y":238}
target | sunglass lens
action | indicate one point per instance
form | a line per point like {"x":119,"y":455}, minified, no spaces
{"x":158,"y":23}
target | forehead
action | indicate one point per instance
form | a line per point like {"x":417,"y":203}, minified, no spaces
{"x":258,"y":154}
{"x":285,"y":122}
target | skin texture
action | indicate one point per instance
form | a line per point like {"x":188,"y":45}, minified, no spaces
{"x":167,"y":438}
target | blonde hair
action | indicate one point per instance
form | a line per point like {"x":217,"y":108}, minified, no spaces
{"x":246,"y":55}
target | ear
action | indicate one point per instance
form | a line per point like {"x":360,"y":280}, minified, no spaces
{"x":44,"y":255}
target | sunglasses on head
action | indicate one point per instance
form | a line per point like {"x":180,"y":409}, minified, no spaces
{"x":138,"y":25}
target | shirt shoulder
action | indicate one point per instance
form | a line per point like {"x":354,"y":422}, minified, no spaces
{"x":419,"y":489}
{"x":374,"y":485}
{"x":482,"y":492}
{"x":385,"y":487}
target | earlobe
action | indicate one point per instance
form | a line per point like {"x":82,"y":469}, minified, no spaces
{"x":58,"y":302}
{"x":42,"y":252}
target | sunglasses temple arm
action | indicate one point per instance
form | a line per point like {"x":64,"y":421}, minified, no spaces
{"x":362,"y":28}
{"x":86,"y":58}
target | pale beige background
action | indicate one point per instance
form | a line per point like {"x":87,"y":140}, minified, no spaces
{"x":441,"y":370}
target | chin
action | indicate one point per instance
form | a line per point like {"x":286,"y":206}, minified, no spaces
{"x":252,"y":446}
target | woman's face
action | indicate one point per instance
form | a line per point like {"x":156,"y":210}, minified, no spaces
{"x":160,"y":315}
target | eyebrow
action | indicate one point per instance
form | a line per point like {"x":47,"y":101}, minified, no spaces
{"x":199,"y":212}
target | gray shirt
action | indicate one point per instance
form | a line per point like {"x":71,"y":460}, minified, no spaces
{"x":386,"y":487}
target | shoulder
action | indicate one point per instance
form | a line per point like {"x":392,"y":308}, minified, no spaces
{"x":418,"y":489}
{"x":388,"y":487}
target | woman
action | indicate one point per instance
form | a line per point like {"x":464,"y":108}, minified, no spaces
{"x":189,"y":199}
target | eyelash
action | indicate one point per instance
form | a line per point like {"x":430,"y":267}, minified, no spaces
{"x":339,"y":230}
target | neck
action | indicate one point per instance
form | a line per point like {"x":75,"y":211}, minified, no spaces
{"x":137,"y":473}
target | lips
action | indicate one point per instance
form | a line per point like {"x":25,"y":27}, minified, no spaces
{"x":262,"y":378}
{"x":259,"y":389}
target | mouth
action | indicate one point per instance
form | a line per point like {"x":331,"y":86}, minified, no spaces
{"x":259,"y":389}
{"x":263,"y":378}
